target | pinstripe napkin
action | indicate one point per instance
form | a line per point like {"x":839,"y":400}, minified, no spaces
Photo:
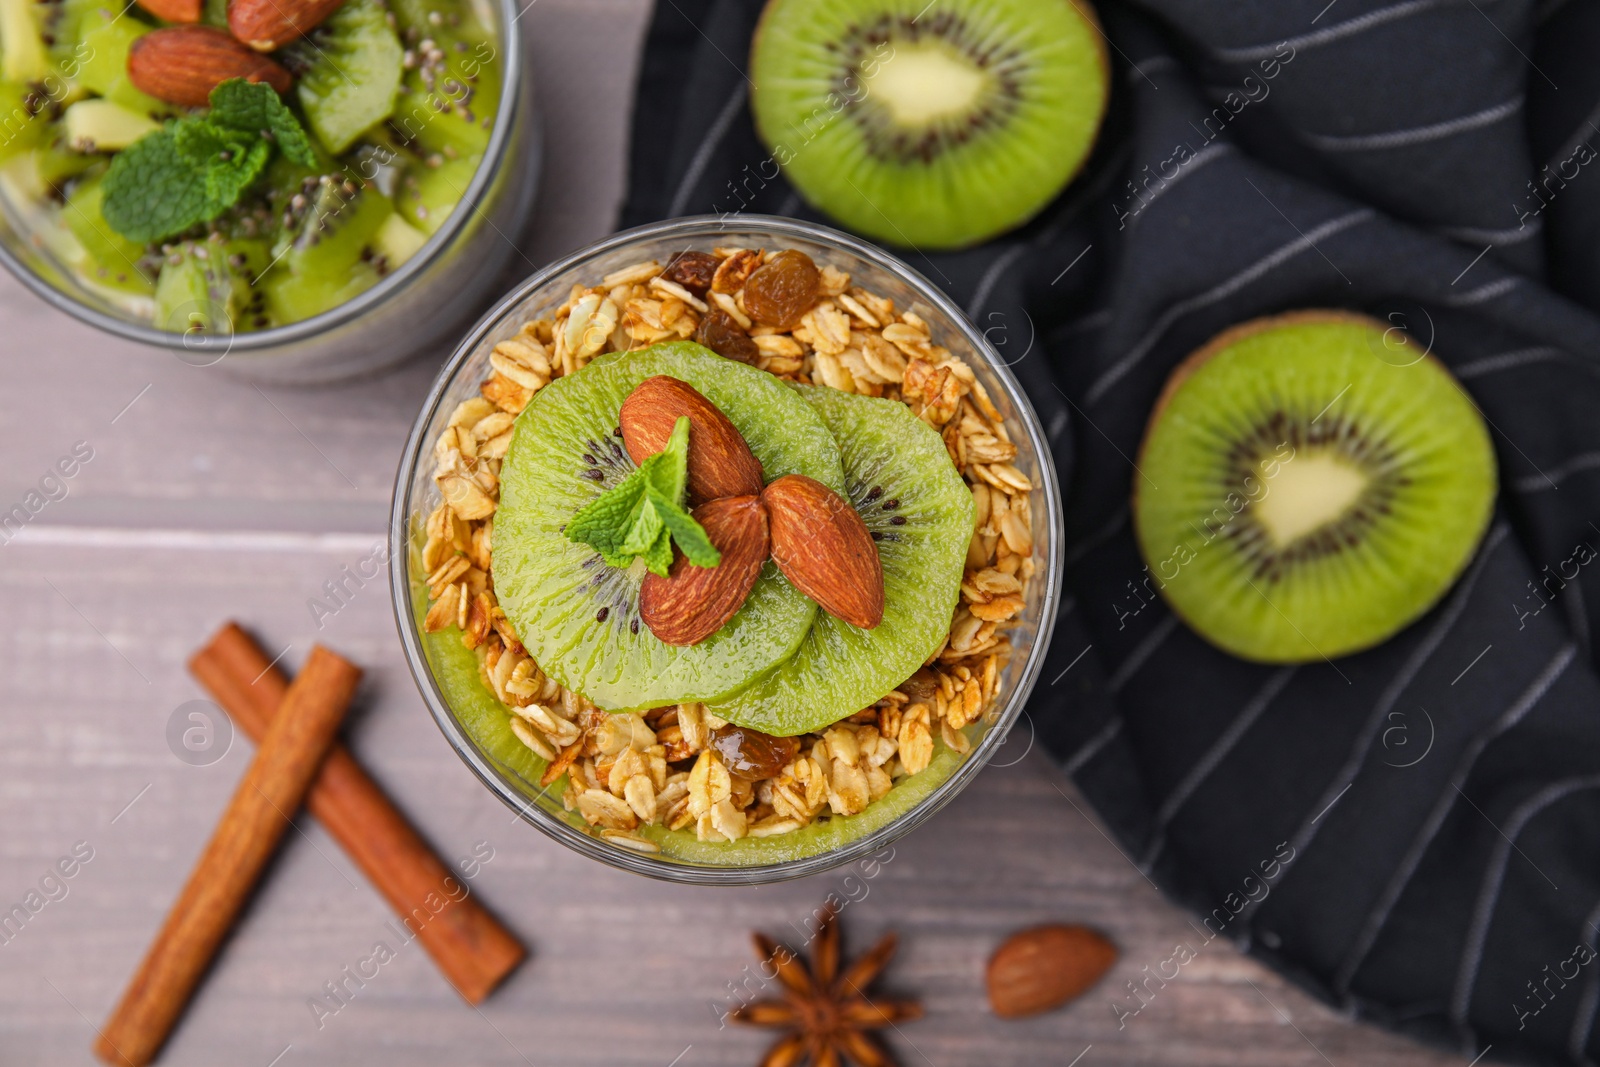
{"x":1413,"y":833}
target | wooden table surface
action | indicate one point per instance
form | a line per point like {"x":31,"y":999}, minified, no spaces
{"x":208,"y":498}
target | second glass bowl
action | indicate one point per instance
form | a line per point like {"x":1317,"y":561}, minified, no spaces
{"x":475,"y":722}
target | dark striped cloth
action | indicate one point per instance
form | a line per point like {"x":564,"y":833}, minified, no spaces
{"x":1413,"y":833}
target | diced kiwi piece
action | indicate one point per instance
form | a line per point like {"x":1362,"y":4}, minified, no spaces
{"x":579,"y":617}
{"x":428,"y":194}
{"x":932,"y":124}
{"x":899,"y":477}
{"x":397,"y":241}
{"x":199,"y":291}
{"x":352,"y":67}
{"x":113,"y":259}
{"x":103,"y":67}
{"x":103,"y":126}
{"x":24,"y":118}
{"x":439,"y":20}
{"x":1310,"y":483}
{"x":54,"y":164}
{"x":330,"y":259}
{"x":23,"y":56}
{"x":451,"y":94}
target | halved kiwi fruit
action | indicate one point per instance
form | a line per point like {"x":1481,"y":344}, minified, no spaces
{"x":899,"y":478}
{"x":578,"y":617}
{"x":936,"y":124}
{"x":1308,"y":485}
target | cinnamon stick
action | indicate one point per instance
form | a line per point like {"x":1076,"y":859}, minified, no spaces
{"x":467,"y":943}
{"x":267,"y":798}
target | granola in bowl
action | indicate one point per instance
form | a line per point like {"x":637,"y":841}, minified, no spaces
{"x":678,"y":780}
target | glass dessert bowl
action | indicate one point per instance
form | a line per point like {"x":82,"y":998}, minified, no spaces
{"x":265,"y":205}
{"x":835,"y":730}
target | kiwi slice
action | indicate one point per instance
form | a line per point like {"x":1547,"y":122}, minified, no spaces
{"x":935,"y":124}
{"x":350,"y":73}
{"x":920,"y":513}
{"x":1309,"y":485}
{"x":578,"y":617}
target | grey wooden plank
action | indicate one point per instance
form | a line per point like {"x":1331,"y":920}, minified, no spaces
{"x":207,"y":499}
{"x":625,"y":971}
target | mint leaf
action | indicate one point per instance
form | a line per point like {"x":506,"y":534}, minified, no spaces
{"x":254,"y":108}
{"x":659,"y":557}
{"x":198,"y":167}
{"x":643,"y":516}
{"x":689,"y":535}
{"x":152,"y":191}
{"x":668,"y":469}
{"x":646,"y":529}
{"x":604,"y":522}
{"x":230,"y":159}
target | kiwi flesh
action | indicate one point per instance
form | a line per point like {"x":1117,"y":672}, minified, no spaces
{"x":935,"y":124}
{"x":330,"y":258}
{"x":350,"y":70}
{"x":1308,"y":485}
{"x":579,"y":617}
{"x":899,"y":478}
{"x":113,"y":259}
{"x":199,"y":291}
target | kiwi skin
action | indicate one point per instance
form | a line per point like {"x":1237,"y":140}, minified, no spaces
{"x":958,"y":234}
{"x":1225,"y":340}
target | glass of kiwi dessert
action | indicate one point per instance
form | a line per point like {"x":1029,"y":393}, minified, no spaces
{"x":726,"y":551}
{"x":310,"y":188}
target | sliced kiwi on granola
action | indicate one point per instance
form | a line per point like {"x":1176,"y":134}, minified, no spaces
{"x":920,"y":513}
{"x":578,"y":616}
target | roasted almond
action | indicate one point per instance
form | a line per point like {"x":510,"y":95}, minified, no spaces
{"x":1046,"y":966}
{"x":182,"y":64}
{"x":173,"y":10}
{"x":823,"y":547}
{"x":720,"y":462}
{"x":692,"y":603}
{"x":268,"y":25}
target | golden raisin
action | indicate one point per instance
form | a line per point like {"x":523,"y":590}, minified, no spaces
{"x":752,"y":754}
{"x":782,"y":291}
{"x":693,"y":271}
{"x":719,"y":332}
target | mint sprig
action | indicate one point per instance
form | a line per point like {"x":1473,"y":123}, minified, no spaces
{"x":643,"y":516}
{"x":197,"y":167}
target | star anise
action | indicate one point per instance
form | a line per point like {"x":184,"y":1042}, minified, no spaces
{"x":827,"y":1009}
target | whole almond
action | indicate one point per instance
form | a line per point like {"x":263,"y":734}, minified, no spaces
{"x":268,"y":25}
{"x":173,"y":10}
{"x":692,"y":603}
{"x":1044,"y":967}
{"x":182,"y":64}
{"x":720,"y":462}
{"x":822,"y":546}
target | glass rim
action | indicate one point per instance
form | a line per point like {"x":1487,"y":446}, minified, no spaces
{"x":660,"y":867}
{"x":494,"y":160}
